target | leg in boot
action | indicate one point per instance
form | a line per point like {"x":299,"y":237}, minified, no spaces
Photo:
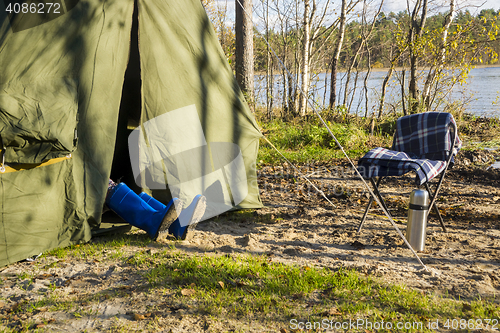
{"x":164,"y":229}
{"x":129,"y":206}
{"x":184,"y":226}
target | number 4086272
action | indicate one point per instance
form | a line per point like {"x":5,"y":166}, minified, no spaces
{"x":473,"y":324}
{"x":34,"y":8}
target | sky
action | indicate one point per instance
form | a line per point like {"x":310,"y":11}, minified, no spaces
{"x":398,"y":6}
{"x":391,"y":5}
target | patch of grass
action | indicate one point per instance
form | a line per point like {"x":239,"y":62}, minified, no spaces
{"x":24,"y":276}
{"x":302,"y":140}
{"x":255,"y":288}
{"x":305,"y":139}
{"x":59,"y":252}
{"x":97,"y":246}
{"x":491,"y":144}
{"x":250,"y":286}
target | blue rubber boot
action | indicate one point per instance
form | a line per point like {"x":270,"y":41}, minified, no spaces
{"x":152,"y":201}
{"x":184,"y":226}
{"x":130,"y":207}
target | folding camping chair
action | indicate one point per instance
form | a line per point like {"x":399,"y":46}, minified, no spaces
{"x":422,"y":143}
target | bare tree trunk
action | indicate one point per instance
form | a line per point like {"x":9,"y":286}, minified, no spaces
{"x":353,"y":91}
{"x":403,"y":75}
{"x":326,"y":85}
{"x":293,"y":89}
{"x":366,"y":37}
{"x":349,"y":71}
{"x":333,"y":83}
{"x":413,"y":90}
{"x":306,"y":41}
{"x":365,"y":82}
{"x":269,"y":77}
{"x":442,"y":56}
{"x":284,"y":56}
{"x":336,"y":56}
{"x":386,"y":80}
{"x":285,"y":78}
{"x":271,"y":86}
{"x":384,"y":89}
{"x":416,"y":31}
{"x":244,"y":48}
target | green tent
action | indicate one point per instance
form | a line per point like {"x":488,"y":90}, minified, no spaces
{"x":74,"y":82}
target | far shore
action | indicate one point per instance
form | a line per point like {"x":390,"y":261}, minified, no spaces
{"x":384,"y":69}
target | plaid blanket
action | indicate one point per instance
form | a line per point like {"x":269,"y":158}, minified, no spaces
{"x":382,"y":162}
{"x":422,"y":143}
{"x":427,"y":135}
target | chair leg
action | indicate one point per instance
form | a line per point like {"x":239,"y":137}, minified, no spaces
{"x":365,"y":214}
{"x":377,"y":193}
{"x":436,"y":209}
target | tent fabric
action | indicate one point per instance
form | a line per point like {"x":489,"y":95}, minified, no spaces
{"x":38,"y":120}
{"x":60,"y":91}
{"x":180,"y":58}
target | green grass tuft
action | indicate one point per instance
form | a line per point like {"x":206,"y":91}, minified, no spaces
{"x":246,"y":285}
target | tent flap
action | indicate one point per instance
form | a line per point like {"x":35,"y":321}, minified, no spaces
{"x":185,"y":75}
{"x":38,"y":120}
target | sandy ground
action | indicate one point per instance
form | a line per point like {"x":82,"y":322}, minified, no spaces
{"x":300,"y":226}
{"x":297,"y":226}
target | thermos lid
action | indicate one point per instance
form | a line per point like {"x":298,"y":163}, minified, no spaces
{"x":419,"y":197}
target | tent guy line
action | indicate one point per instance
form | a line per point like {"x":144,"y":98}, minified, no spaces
{"x":313,"y":107}
{"x":300,"y":173}
{"x":315,"y":187}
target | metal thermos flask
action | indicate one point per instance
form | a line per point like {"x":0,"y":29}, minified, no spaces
{"x":417,"y":219}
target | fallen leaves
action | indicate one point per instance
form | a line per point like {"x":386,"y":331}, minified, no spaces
{"x":14,"y":307}
{"x":42,"y":325}
{"x":188,"y":292}
{"x":331,"y":312}
{"x":139,"y":316}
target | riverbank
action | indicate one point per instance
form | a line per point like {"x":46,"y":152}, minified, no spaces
{"x":385,"y":69}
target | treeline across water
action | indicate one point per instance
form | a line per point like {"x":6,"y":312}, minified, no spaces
{"x":427,"y":52}
{"x":387,"y":37}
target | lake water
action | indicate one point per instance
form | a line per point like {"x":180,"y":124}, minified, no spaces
{"x":482,"y":93}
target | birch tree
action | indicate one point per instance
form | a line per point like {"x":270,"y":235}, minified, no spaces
{"x":365,"y":34}
{"x":306,"y":49}
{"x":437,"y":68}
{"x":336,"y":54}
{"x":415,"y":33}
{"x":313,"y":28}
{"x":244,"y":48}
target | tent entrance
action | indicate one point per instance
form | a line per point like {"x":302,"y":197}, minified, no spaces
{"x":128,"y":118}
{"x":130,"y":110}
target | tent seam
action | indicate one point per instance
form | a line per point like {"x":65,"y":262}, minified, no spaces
{"x":88,"y":103}
{"x":3,"y":220}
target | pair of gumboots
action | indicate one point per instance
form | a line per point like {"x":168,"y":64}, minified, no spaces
{"x":155,"y":218}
